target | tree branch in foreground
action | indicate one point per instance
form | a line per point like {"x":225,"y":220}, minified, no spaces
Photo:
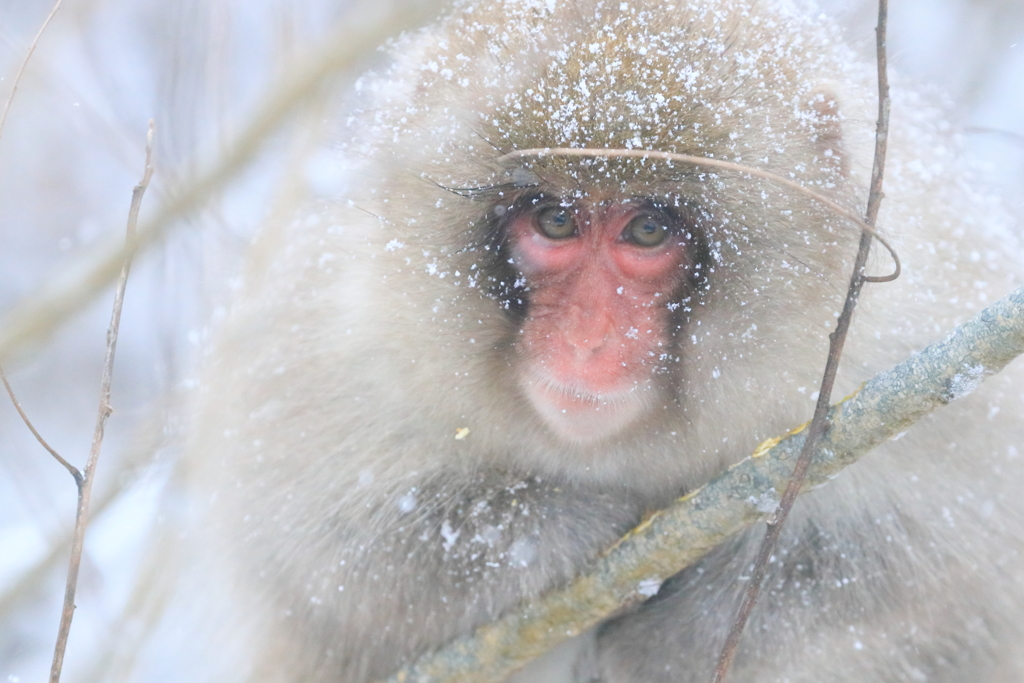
{"x":744,"y":494}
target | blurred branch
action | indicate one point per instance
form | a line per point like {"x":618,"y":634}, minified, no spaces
{"x":1007,"y":135}
{"x":39,"y":315}
{"x":31,"y":578}
{"x":676,"y":537}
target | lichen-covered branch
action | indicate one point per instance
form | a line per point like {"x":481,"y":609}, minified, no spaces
{"x":676,"y":537}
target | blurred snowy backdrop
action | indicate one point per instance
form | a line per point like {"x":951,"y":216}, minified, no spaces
{"x":73,"y":148}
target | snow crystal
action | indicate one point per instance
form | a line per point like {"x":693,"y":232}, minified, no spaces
{"x":649,"y":587}
{"x":965,"y":382}
{"x":766,"y":501}
{"x":450,"y":535}
{"x":523,"y":552}
{"x":407,"y":503}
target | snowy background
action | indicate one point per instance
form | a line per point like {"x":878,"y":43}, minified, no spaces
{"x":73,"y":148}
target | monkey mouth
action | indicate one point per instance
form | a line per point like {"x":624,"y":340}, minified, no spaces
{"x":581,"y":415}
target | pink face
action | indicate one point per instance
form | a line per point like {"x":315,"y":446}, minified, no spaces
{"x":600,"y":279}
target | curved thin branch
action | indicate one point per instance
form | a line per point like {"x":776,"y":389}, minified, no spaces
{"x":831,"y":205}
{"x":72,"y":470}
{"x":24,"y":64}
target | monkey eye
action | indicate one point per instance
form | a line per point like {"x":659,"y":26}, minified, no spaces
{"x":646,"y":230}
{"x":556,"y":222}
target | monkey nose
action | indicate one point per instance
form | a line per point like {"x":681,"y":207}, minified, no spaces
{"x":587,"y":333}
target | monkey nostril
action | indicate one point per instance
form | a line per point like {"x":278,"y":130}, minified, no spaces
{"x":588,"y":346}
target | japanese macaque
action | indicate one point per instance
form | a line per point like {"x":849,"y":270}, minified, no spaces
{"x":454,"y":388}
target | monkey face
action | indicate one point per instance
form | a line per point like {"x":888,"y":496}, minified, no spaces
{"x":600,"y":278}
{"x":608,"y":298}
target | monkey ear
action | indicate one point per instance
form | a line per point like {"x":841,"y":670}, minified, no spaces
{"x":827,"y":122}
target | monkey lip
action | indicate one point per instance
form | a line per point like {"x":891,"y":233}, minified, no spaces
{"x":582,"y":415}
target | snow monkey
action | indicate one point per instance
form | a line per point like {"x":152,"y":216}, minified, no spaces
{"x":455,"y":386}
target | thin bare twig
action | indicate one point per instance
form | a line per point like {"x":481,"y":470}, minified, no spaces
{"x":819,"y":423}
{"x":134,"y":463}
{"x":32,"y":428}
{"x":24,"y":63}
{"x":3,"y":120}
{"x":85,"y":483}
